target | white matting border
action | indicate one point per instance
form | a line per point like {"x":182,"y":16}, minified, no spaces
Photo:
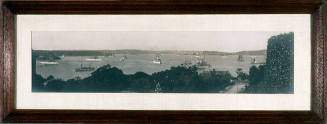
{"x":298,"y":23}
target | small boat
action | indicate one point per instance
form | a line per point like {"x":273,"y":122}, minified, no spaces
{"x":253,"y":61}
{"x":240,"y":58}
{"x":49,"y":63}
{"x":157,"y":60}
{"x":108,"y":54}
{"x":94,"y":59}
{"x":84,"y":69}
{"x":63,"y":56}
{"x":196,"y":55}
{"x":123,"y":58}
{"x":201,"y":63}
{"x":111,"y":55}
{"x":223,"y":56}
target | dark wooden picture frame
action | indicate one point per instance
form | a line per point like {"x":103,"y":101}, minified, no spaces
{"x":317,"y":9}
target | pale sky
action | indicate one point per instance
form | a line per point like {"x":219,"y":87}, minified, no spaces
{"x":151,"y":40}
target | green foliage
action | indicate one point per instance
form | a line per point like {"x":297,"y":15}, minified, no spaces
{"x":49,"y":84}
{"x":280,"y":63}
{"x":241,"y":75}
{"x":180,"y":79}
{"x":37,"y":82}
{"x":277,"y":75}
{"x":256,"y":74}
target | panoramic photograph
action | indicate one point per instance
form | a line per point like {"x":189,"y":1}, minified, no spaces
{"x":249,"y":62}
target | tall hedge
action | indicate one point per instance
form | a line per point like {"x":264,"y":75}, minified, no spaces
{"x":279,"y":70}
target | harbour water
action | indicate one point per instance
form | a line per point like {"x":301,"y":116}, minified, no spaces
{"x":65,"y":69}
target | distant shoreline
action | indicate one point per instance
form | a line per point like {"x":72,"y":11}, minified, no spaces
{"x":131,"y":51}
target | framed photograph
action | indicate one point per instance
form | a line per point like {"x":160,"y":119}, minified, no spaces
{"x":163,"y":61}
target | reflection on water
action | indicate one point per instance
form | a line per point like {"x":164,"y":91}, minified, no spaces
{"x":141,"y":63}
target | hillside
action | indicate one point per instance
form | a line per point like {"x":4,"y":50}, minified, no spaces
{"x":130,"y":51}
